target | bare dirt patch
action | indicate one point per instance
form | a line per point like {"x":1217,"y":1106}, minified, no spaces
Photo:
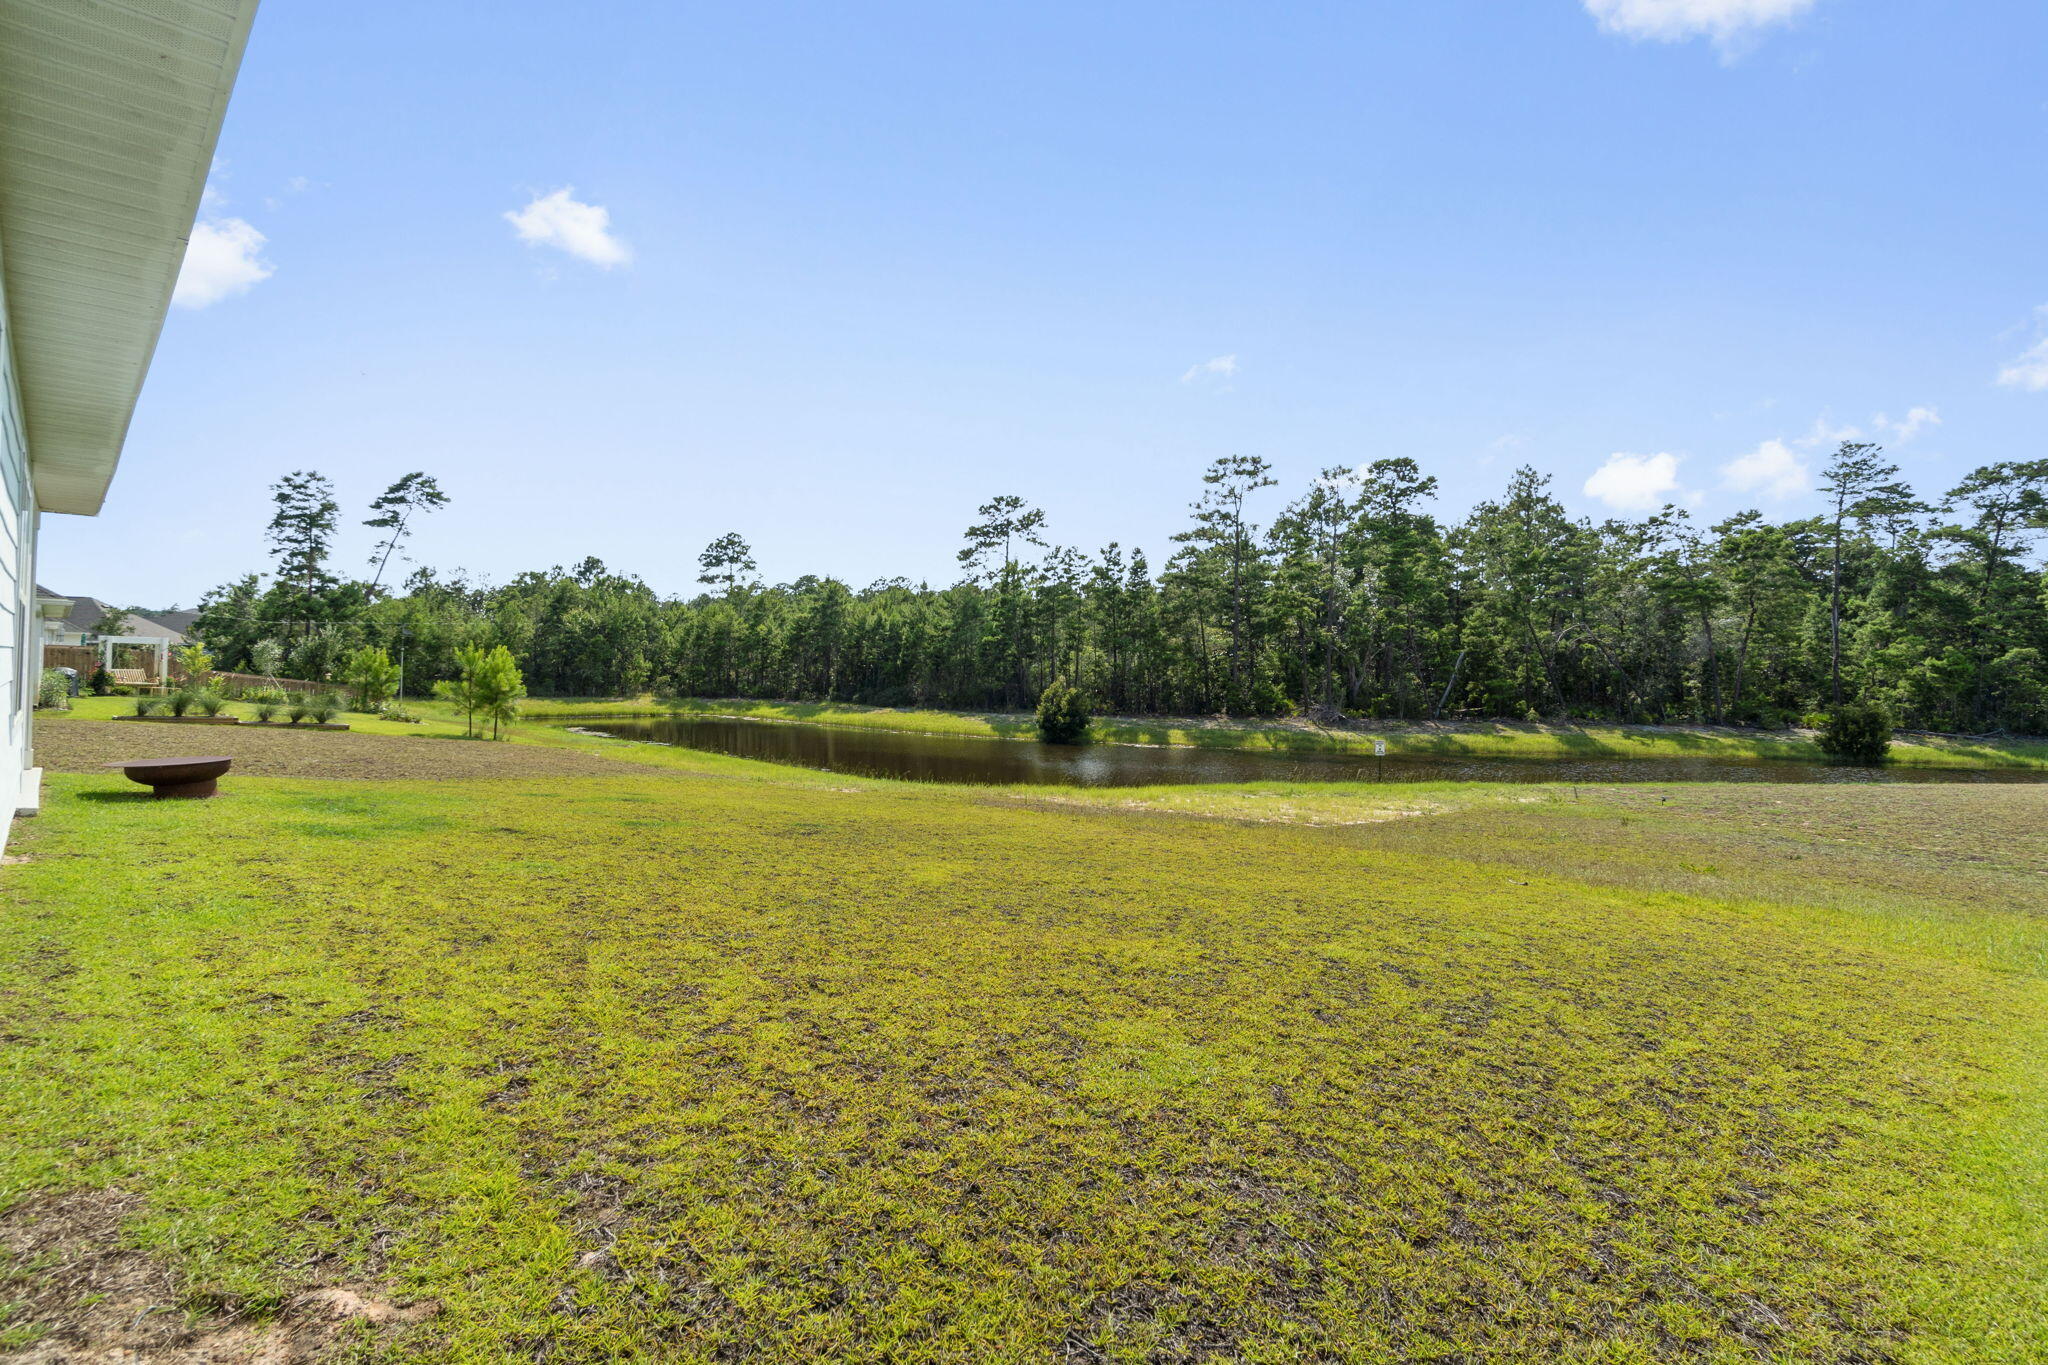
{"x":84,"y":746}
{"x":84,"y":1297}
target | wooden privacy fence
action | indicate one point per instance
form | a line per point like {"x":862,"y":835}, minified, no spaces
{"x":84,"y":658}
{"x":253,"y":680}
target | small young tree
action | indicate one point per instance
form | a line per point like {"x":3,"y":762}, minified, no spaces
{"x":372,"y":676}
{"x":461,"y":691}
{"x":1062,"y":714}
{"x":499,"y":688}
{"x":196,"y":664}
{"x":490,"y":687}
{"x":266,"y":657}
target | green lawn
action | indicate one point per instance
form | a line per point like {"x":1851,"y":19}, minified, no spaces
{"x":712,"y":1061}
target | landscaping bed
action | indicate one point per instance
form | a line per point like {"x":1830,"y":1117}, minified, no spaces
{"x":240,"y":720}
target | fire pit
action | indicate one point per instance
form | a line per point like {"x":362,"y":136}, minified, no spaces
{"x":176,"y":777}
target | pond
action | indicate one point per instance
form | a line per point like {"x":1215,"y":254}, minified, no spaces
{"x":1009,"y":762}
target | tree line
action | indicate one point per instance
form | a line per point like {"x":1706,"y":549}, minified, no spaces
{"x":1353,"y":598}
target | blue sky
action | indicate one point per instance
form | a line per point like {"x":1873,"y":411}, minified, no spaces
{"x":832,"y":275}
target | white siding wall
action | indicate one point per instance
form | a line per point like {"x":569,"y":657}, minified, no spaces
{"x":20,"y":643}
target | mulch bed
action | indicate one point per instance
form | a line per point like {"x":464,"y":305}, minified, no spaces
{"x":87,"y":746}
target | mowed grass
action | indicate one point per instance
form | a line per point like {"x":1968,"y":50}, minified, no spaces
{"x":722,"y":1062}
{"x":1463,"y":739}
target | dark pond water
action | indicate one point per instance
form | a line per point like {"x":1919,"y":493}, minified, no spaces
{"x":1004,"y":762}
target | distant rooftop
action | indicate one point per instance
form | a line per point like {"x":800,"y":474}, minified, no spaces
{"x":87,"y":612}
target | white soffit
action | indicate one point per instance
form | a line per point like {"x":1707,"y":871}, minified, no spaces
{"x":109,"y":110}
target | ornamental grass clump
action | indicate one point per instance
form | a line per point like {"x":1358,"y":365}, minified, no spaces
{"x":210,"y":702}
{"x":182,"y":701}
{"x":325,"y":708}
{"x":266,"y":708}
{"x":297,"y":710}
{"x":146,"y":705}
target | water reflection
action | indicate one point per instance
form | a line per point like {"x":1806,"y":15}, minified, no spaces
{"x":961,"y":759}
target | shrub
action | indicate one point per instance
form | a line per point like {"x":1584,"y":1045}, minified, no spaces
{"x":266,"y":708}
{"x":210,"y":702}
{"x":1857,"y":733}
{"x":101,"y":682}
{"x":1814,"y":720}
{"x":145,"y":705}
{"x":1062,"y":714}
{"x":54,"y":689}
{"x":119,"y":691}
{"x":182,"y":700}
{"x":1268,"y":700}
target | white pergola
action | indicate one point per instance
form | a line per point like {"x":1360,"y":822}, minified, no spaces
{"x":159,"y":643}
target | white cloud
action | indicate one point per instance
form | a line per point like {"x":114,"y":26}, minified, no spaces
{"x":223,"y":258}
{"x":1914,"y":422}
{"x":1220,"y":369}
{"x":1504,"y":444}
{"x":2029,"y":370}
{"x":1673,"y":21}
{"x":561,"y":220}
{"x":1826,"y":433}
{"x":1772,"y":469}
{"x":1635,"y":483}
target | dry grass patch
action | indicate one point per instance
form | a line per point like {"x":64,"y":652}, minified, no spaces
{"x":84,"y":746}
{"x":77,"y":1291}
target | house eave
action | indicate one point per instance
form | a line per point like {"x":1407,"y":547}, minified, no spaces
{"x":109,"y":113}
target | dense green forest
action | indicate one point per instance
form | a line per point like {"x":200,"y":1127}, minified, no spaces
{"x":1352,"y":598}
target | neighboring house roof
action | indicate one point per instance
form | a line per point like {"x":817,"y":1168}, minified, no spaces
{"x":87,"y":612}
{"x":108,"y":117}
